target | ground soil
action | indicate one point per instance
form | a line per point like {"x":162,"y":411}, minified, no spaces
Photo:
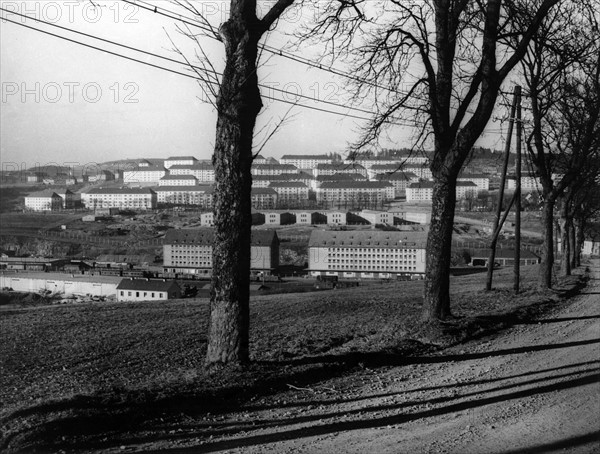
{"x":535,"y":389}
{"x":326,"y":377}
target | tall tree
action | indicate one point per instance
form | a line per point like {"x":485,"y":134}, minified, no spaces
{"x":440,"y":61}
{"x":238,"y":103}
{"x":560,"y":71}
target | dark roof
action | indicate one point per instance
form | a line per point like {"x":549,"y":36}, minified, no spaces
{"x":274,"y":166}
{"x":366,"y":238}
{"x":284,"y":177}
{"x":465,"y":183}
{"x":306,"y":156}
{"x":147,"y":285}
{"x":354,"y":184}
{"x":341,"y":177}
{"x":44,"y":193}
{"x":199,"y":188}
{"x":206,"y":237}
{"x":119,"y":191}
{"x":116,"y":258}
{"x":287,"y":184}
{"x":179,"y":177}
{"x":197,"y":166}
{"x":422,"y":185}
{"x":267,"y":191}
{"x":180,"y":158}
{"x":403,"y":176}
{"x":340,"y":166}
{"x":472,"y":175}
{"x":150,"y":168}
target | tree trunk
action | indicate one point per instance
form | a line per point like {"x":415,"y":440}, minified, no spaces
{"x":572,"y":243}
{"x":436,"y":304}
{"x":238,"y":105}
{"x":579,"y":239}
{"x":547,"y":262}
{"x":565,"y":257}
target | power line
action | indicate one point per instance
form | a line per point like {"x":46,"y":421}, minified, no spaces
{"x":348,"y":115}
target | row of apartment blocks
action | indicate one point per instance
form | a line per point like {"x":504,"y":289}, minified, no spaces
{"x":346,"y":254}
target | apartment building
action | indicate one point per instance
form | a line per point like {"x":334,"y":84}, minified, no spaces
{"x":290,"y":192}
{"x":180,"y":161}
{"x":178,"y":180}
{"x":367,"y":254}
{"x":339,"y":169}
{"x":307,"y":162}
{"x":399,"y":180}
{"x":264,"y":181}
{"x":144,"y":175}
{"x":419,"y":192}
{"x":316,"y":182}
{"x":203,"y":171}
{"x":264,"y":198}
{"x":201,"y":196}
{"x":47,"y":200}
{"x":354,"y":193}
{"x":189,"y":251}
{"x":481,"y":180}
{"x":273,"y":169}
{"x":123,"y":198}
{"x":465,"y":189}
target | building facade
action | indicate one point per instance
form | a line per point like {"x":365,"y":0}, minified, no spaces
{"x":122,"y":198}
{"x":307,"y":162}
{"x":47,"y":200}
{"x":367,"y":254}
{"x":201,"y":196}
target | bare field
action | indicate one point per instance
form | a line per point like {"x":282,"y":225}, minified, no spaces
{"x":116,"y":367}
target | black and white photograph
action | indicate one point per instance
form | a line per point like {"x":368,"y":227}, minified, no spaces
{"x":300,"y":226}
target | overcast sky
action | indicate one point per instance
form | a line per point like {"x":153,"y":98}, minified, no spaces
{"x":65,"y":103}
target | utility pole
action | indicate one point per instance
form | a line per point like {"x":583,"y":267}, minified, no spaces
{"x":517,"y":266}
{"x":497,"y":222}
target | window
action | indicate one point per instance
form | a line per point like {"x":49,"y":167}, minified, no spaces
{"x":152,"y":294}
{"x":122,"y":293}
{"x":137,"y":294}
{"x":128,"y":293}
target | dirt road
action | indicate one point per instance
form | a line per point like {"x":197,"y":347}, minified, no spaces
{"x":535,"y":389}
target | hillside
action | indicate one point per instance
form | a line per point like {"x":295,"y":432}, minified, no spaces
{"x":106,"y":374}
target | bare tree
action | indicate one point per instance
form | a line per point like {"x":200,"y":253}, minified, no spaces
{"x":238,"y":103}
{"x":439,"y":62}
{"x":561,"y":75}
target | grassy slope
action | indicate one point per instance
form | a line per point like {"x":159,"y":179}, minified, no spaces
{"x":122,"y":359}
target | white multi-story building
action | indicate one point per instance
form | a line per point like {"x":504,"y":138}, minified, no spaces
{"x":264,"y":198}
{"x":263,"y":181}
{"x":207,"y":219}
{"x":399,"y":180}
{"x":180,"y":161}
{"x":419,"y":192}
{"x":366,"y":254}
{"x":481,"y":180}
{"x":529,"y":183}
{"x":144,"y":176}
{"x":47,"y":200}
{"x":354,"y":193}
{"x":342,"y":177}
{"x":307,"y":162}
{"x":178,"y":180}
{"x":339,"y":168}
{"x":201,"y":196}
{"x":290,"y":192}
{"x":203,"y":171}
{"x":377,"y":217}
{"x":124,"y":198}
{"x":189,"y":251}
{"x":422,"y":171}
{"x":465,"y":189}
{"x":273,"y":169}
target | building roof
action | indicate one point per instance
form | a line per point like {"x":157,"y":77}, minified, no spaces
{"x":422,"y":185}
{"x":274,"y":166}
{"x":206,"y":236}
{"x":354,"y":185}
{"x":44,"y":193}
{"x":150,"y":168}
{"x":120,"y":191}
{"x":181,"y":158}
{"x":178,"y":177}
{"x":287,"y":184}
{"x":340,"y":166}
{"x":466,"y":183}
{"x":366,"y":238}
{"x":263,"y":191}
{"x":147,"y":285}
{"x":283,"y":177}
{"x":306,"y":156}
{"x":473,"y":176}
{"x":199,"y":188}
{"x":197,"y":166}
{"x":400,"y":175}
{"x":133,"y":259}
{"x":341,"y":177}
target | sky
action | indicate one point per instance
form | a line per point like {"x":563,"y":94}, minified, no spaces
{"x":67,"y":104}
